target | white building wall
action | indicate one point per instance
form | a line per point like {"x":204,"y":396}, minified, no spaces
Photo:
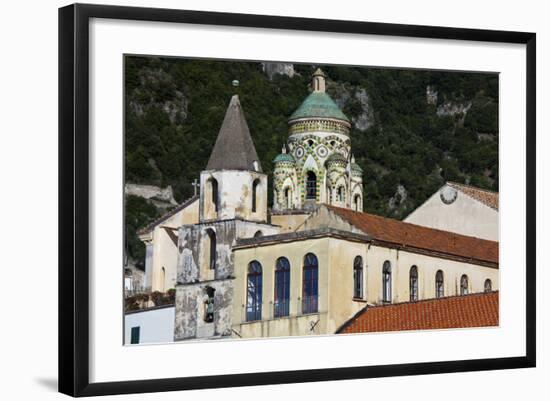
{"x":156,"y":325}
{"x":465,"y":216}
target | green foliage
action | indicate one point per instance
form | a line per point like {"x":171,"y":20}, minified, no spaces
{"x":138,"y":213}
{"x":175,"y":107}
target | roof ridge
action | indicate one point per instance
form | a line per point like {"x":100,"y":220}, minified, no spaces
{"x":472,"y":187}
{"x":170,"y":213}
{"x":409,"y":224}
{"x":473,"y":294}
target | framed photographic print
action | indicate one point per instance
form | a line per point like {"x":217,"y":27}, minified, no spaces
{"x":249,"y":199}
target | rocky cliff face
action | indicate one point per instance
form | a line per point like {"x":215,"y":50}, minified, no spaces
{"x":160,"y":197}
{"x":272,"y":69}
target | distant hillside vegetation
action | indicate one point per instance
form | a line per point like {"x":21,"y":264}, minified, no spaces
{"x":413,"y":130}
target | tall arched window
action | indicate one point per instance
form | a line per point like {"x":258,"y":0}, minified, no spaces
{"x":254,"y":291}
{"x":413,"y":284}
{"x":358,"y":277}
{"x":310,"y":284}
{"x":311,"y":185}
{"x":255,"y":185}
{"x":211,"y":257}
{"x":282,"y":287}
{"x":439,"y":288}
{"x":340,"y":194}
{"x":214,"y":192}
{"x":288,"y":198}
{"x":464,"y":285}
{"x":488,"y":286}
{"x":357,"y":202}
{"x":386,"y":281}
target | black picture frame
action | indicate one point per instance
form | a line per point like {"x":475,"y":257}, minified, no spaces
{"x":74,"y":198}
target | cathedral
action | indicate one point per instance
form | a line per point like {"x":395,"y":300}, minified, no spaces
{"x":314,"y":263}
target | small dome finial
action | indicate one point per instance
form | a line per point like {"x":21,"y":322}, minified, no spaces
{"x":318,"y":80}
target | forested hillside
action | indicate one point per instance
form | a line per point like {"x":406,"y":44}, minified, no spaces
{"x":413,"y":130}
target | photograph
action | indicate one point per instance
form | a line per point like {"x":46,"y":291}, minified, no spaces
{"x":280,"y":199}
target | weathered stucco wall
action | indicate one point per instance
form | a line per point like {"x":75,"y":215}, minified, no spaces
{"x":196,"y":277}
{"x":401,"y":263}
{"x":296,"y":323}
{"x":464,"y":216}
{"x":234,"y":195}
{"x":336,"y":299}
{"x":164,"y":252}
{"x":288,"y":222}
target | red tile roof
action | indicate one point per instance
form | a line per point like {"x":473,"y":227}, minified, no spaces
{"x":474,"y":310}
{"x":419,"y":237}
{"x":484,"y":196}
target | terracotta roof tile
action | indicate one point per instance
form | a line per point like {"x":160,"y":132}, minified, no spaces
{"x":420,"y":237}
{"x":474,"y":310}
{"x":484,"y":196}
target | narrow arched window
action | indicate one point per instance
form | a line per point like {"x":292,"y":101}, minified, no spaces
{"x":386,"y":281}
{"x":311,"y":185}
{"x":255,"y":185}
{"x":212,"y":256}
{"x":439,"y":287}
{"x":214,"y":192}
{"x":162,"y":279}
{"x":357,"y":202}
{"x":282,"y":288}
{"x":258,"y":234}
{"x":413,"y":284}
{"x":310,"y":284}
{"x":464,"y":285}
{"x":488,"y":286}
{"x":340,"y":194}
{"x":288,"y":198}
{"x":254,"y":291}
{"x":358,"y":277}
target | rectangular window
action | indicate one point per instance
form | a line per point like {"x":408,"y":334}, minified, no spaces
{"x":134,"y":338}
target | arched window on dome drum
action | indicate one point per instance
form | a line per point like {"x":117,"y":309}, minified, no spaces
{"x":358,"y":277}
{"x":254,"y":291}
{"x":255,"y":185}
{"x":288,"y":198}
{"x":439,"y":287}
{"x":311,"y":185}
{"x":413,"y":284}
{"x":488,"y":286}
{"x":310,"y":288}
{"x":357,"y":202}
{"x":386,"y":281}
{"x":464,"y":285}
{"x":340,"y":194}
{"x":282,"y":288}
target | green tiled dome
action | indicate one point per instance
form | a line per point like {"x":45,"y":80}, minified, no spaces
{"x":284,"y":158}
{"x":320,"y":105}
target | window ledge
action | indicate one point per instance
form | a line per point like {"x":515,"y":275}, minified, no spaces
{"x":359,"y":300}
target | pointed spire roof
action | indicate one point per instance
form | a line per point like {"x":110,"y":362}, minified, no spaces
{"x":234,"y":149}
